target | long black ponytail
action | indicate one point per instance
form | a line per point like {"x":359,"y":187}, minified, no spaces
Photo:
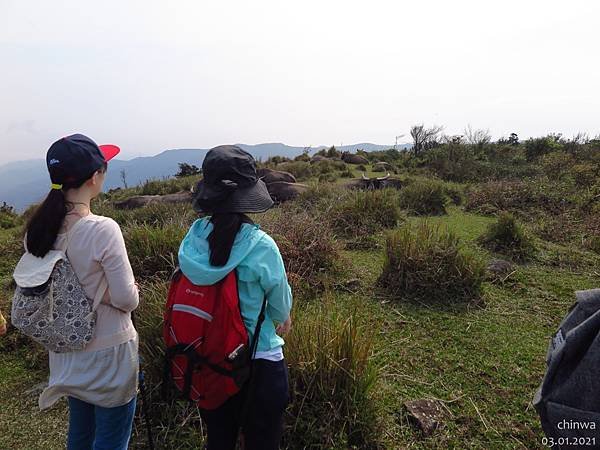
{"x":45,"y":223}
{"x":222,"y":237}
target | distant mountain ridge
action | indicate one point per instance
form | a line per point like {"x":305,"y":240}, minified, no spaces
{"x":25,"y":182}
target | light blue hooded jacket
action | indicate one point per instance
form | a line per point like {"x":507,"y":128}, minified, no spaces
{"x":260,"y":272}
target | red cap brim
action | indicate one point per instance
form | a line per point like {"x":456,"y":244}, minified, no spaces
{"x":109,"y":151}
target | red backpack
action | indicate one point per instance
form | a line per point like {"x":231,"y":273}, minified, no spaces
{"x":207,"y":355}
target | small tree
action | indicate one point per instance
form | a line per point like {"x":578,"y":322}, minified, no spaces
{"x":186,"y":170}
{"x":124,"y":178}
{"x":477,"y":137}
{"x":424,"y":138}
{"x":513,"y":139}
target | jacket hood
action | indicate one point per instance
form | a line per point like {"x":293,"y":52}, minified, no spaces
{"x":194,"y":252}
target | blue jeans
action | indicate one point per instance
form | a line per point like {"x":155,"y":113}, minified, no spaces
{"x":98,"y":428}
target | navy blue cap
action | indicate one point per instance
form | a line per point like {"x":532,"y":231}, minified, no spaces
{"x":76,"y":158}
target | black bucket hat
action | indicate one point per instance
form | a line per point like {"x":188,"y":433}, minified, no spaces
{"x":230,"y":183}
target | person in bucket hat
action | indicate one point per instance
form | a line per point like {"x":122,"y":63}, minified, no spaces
{"x":100,"y":381}
{"x":230,"y":183}
{"x":228,"y":240}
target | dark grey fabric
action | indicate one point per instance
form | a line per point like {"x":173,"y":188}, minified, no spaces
{"x":568,"y":400}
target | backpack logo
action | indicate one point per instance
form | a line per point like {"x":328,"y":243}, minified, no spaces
{"x":192,"y":292}
{"x":54,"y":161}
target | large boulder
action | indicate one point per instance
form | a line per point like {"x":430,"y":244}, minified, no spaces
{"x":272,"y":176}
{"x":351,"y":158}
{"x":140,"y":201}
{"x":317,"y":158}
{"x":282,"y":191}
{"x":499,"y":270}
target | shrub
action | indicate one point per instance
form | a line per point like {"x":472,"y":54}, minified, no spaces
{"x":536,"y":147}
{"x":327,"y":166}
{"x":555,"y":228}
{"x":332,"y":380}
{"x":496,"y":196}
{"x":347,"y":173}
{"x":594,"y":244}
{"x":585,"y":174}
{"x":327,"y":177}
{"x":154,"y":214}
{"x":331,"y":152}
{"x":379,"y":167}
{"x":303,"y":157}
{"x":428,"y":263}
{"x":274,"y":160}
{"x":8,"y":217}
{"x":506,"y":236}
{"x":455,"y":192}
{"x":300,"y":169}
{"x":308,"y":247}
{"x":187,"y":170}
{"x":424,"y":197}
{"x":153,"y":250}
{"x":361,"y":168}
{"x":366,"y":212}
{"x":320,"y":198}
{"x":166,"y":186}
{"x":457,"y":162}
{"x":556,"y":164}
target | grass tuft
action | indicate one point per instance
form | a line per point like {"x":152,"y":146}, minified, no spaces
{"x":428,"y":263}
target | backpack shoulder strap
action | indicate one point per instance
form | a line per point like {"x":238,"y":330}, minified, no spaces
{"x":100,"y":293}
{"x":70,"y":234}
{"x":261,"y":319}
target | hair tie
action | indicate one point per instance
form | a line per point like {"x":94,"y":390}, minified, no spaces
{"x":58,"y":187}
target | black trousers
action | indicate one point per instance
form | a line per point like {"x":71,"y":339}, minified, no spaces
{"x":268,"y":395}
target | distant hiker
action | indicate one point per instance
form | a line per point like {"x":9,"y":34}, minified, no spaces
{"x":2,"y":325}
{"x":99,"y":380}
{"x":229,"y":242}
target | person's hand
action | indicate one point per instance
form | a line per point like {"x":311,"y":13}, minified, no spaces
{"x":285,"y":327}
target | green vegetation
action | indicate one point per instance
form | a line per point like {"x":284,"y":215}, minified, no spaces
{"x":507,"y":236}
{"x":8,"y":217}
{"x":308,"y":247}
{"x":333,"y":378}
{"x":366,"y":212}
{"x":153,"y":250}
{"x":427,"y":263}
{"x":424,"y":197}
{"x":384,"y":283}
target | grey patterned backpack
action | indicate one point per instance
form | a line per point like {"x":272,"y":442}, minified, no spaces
{"x":50,"y":304}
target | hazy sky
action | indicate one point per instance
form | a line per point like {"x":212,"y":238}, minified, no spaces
{"x":153,"y":75}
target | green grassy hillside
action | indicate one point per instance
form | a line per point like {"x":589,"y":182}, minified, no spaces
{"x":361,"y":348}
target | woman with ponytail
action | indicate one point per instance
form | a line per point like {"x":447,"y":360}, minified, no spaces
{"x":228,"y":240}
{"x":100,"y":381}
